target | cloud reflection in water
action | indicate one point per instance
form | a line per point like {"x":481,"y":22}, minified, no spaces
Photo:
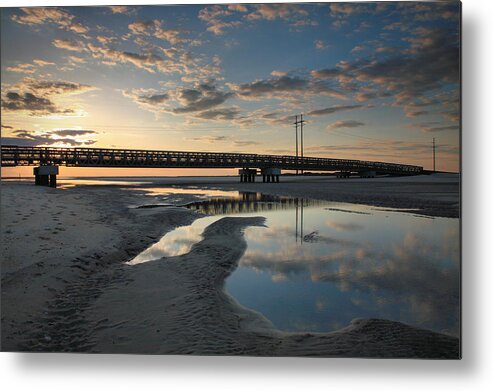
{"x":315,"y":268}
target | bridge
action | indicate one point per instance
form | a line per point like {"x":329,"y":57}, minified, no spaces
{"x":47,"y":160}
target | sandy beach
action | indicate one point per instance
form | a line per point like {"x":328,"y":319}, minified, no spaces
{"x":66,"y":287}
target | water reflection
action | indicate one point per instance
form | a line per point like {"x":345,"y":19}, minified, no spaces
{"x":190,"y":190}
{"x":181,"y":240}
{"x":250,"y":202}
{"x":318,"y":265}
{"x":69,"y":183}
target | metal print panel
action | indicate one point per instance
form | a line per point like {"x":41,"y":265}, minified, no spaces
{"x":232,"y":179}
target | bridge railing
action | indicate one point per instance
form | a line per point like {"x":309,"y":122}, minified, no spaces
{"x":99,"y":157}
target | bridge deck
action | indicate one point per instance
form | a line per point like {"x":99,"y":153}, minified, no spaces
{"x":97,"y":157}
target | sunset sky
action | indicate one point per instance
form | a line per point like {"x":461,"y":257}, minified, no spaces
{"x":375,"y":81}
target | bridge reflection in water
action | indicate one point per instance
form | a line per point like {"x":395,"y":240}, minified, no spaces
{"x":254,"y":202}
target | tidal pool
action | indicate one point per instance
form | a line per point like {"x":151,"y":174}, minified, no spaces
{"x":319,"y":265}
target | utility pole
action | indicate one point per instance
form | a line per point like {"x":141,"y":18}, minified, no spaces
{"x":300,"y":122}
{"x":296,"y":125}
{"x":434,"y":147}
{"x":302,"y":142}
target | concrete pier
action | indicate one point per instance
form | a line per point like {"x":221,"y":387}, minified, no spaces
{"x":271,"y":175}
{"x":247,"y":174}
{"x":367,"y":174}
{"x":343,"y":174}
{"x":45,"y":175}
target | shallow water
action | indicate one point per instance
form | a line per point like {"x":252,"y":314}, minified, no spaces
{"x":67,"y":183}
{"x":318,"y":265}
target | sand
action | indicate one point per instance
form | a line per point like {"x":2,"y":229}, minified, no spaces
{"x":65,"y":286}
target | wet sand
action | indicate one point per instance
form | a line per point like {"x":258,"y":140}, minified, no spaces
{"x":65,"y":286}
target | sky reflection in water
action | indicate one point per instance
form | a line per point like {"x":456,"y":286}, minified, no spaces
{"x":319,"y":265}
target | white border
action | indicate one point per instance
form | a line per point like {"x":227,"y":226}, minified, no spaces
{"x":94,"y":372}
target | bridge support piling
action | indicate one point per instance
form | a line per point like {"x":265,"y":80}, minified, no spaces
{"x":271,"y":175}
{"x":247,"y":175}
{"x":367,"y":174}
{"x":45,"y":175}
{"x":343,"y":174}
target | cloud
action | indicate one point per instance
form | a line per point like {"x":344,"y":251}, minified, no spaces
{"x":150,"y":100}
{"x":209,"y":139}
{"x":42,"y":63}
{"x":348,"y":9}
{"x":28,"y":67}
{"x":283,"y":87}
{"x":297,"y":16}
{"x":154,"y":28}
{"x":69,"y":44}
{"x":70,"y":137}
{"x":154,"y":99}
{"x":412,"y":114}
{"x":41,"y":15}
{"x":396,"y":26}
{"x":431,"y":62}
{"x":22,"y":68}
{"x":36,"y":97}
{"x":342,"y":227}
{"x":222,"y":114}
{"x":176,"y":61}
{"x":277,"y":11}
{"x":13,"y":101}
{"x":345,"y":124}
{"x":200,"y":101}
{"x":238,"y":7}
{"x":77,"y":60}
{"x":409,"y":76}
{"x":219,"y":17}
{"x":72,"y":132}
{"x":341,"y":12}
{"x":245,"y":143}
{"x":320,"y":45}
{"x":203,"y":97}
{"x":218,"y":27}
{"x":78,"y":28}
{"x":214,"y":16}
{"x":358,"y":48}
{"x":328,"y":73}
{"x":121,"y":9}
{"x":277,"y":73}
{"x":412,"y":272}
{"x":147,"y":62}
{"x":334,"y":109}
{"x":52,"y":87}
{"x":366,"y":96}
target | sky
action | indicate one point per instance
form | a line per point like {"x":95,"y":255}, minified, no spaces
{"x":374,"y":81}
